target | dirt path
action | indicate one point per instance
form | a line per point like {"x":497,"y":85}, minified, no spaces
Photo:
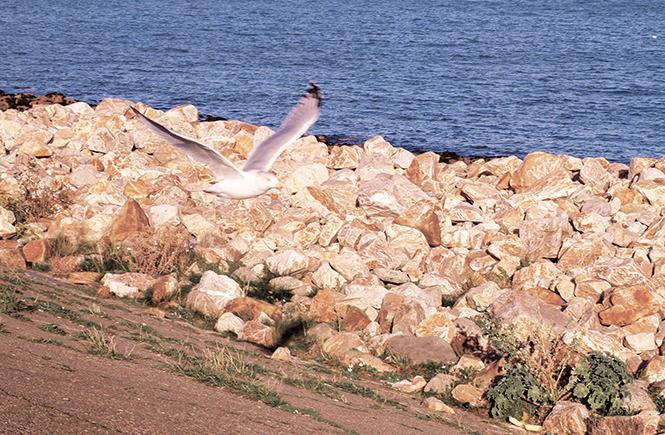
{"x":52,"y":384}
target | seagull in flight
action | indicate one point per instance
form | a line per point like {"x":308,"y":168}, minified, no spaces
{"x":254,"y":178}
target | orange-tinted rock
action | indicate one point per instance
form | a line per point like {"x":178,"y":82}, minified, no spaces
{"x":82,"y":278}
{"x":535,"y":167}
{"x":423,"y":217}
{"x":249,"y":308}
{"x":322,"y":308}
{"x":12,"y":258}
{"x":258,"y":333}
{"x":38,"y":250}
{"x":131,"y":219}
{"x":66,"y":265}
{"x":391,"y":302}
{"x":629,"y":304}
{"x":164,"y":287}
{"x":468,"y":394}
{"x":355,"y":319}
{"x":422,"y":167}
{"x":546,"y":295}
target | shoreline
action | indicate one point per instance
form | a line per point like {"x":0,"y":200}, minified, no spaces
{"x":26,"y":100}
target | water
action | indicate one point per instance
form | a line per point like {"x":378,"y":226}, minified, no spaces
{"x":475,"y":77}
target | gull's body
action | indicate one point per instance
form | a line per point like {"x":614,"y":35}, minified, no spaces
{"x":254,"y":178}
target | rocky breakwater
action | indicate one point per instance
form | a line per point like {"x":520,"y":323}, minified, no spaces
{"x":383,"y":253}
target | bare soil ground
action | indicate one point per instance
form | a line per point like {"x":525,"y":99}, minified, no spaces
{"x":70,"y":378}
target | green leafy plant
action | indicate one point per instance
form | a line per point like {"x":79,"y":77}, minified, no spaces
{"x":542,"y":370}
{"x":537,"y":373}
{"x":602,"y":381}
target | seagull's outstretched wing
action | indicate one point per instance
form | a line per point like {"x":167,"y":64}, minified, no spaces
{"x":295,"y":125}
{"x":220,"y":166}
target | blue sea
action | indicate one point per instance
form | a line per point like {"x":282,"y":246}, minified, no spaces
{"x":474,"y":77}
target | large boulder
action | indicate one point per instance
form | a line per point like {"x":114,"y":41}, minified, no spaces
{"x":421,"y":349}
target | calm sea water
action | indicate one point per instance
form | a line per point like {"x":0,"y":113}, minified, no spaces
{"x":476,"y":77}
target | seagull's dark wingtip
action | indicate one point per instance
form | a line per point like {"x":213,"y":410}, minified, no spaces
{"x":314,"y":91}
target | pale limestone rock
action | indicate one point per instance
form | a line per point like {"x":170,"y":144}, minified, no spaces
{"x":482,"y":296}
{"x":455,"y":237}
{"x":469,"y":362}
{"x":644,"y":423}
{"x":655,"y":369}
{"x":388,"y":195}
{"x":164,"y":215}
{"x":465,"y":393}
{"x":339,"y":194}
{"x":422,"y":168}
{"x":378,"y":145}
{"x":407,"y":318}
{"x":285,"y":283}
{"x":199,"y":226}
{"x":434,"y":404}
{"x":501,"y":165}
{"x":590,"y":222}
{"x":652,"y":190}
{"x":327,"y":278}
{"x":127,"y":284}
{"x":212,"y":293}
{"x":629,"y":304}
{"x":421,"y":349}
{"x":567,"y":418}
{"x":350,"y":265}
{"x":416,"y":384}
{"x":637,"y":164}
{"x":651,"y":174}
{"x":390,"y":276}
{"x":594,"y":173}
{"x":528,"y":313}
{"x":403,"y":158}
{"x":258,"y":333}
{"x":544,"y":237}
{"x":429,"y":299}
{"x":7,"y":230}
{"x":229,"y":322}
{"x":450,"y":288}
{"x":344,"y":157}
{"x":343,"y":342}
{"x":441,"y":383}
{"x":308,"y":150}
{"x":464,"y":212}
{"x":438,"y":324}
{"x":409,"y":241}
{"x":600,"y":340}
{"x":641,"y":342}
{"x":645,"y":324}
{"x":639,"y":399}
{"x":373,"y":165}
{"x":592,"y":289}
{"x":282,"y":354}
{"x":535,"y":167}
{"x":352,"y":358}
{"x":584,"y":250}
{"x":329,"y":231}
{"x":557,"y":185}
{"x":291,"y":262}
{"x":424,"y":216}
{"x":372,"y":294}
{"x":309,"y":175}
{"x":374,"y":250}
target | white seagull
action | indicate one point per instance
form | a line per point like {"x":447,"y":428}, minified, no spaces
{"x":253,"y":179}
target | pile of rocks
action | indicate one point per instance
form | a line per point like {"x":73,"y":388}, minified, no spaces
{"x":372,"y":238}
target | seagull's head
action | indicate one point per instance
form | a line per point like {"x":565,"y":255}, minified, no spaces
{"x":267,"y":180}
